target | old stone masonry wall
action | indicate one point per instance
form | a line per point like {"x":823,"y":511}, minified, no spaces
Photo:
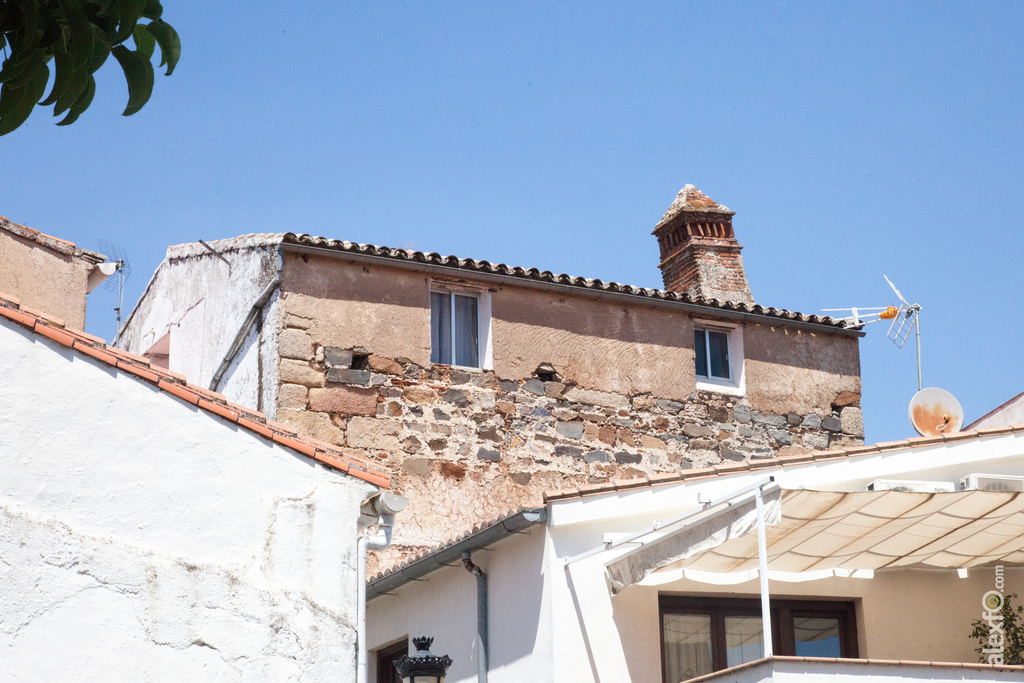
{"x":467,"y":445}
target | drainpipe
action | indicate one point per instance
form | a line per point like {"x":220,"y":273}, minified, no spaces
{"x":481,"y":616}
{"x":382,"y":507}
{"x":250,"y":318}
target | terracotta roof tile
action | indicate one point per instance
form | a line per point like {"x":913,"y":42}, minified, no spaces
{"x":777,"y":461}
{"x":54,"y":243}
{"x":173,"y":383}
{"x":196,"y":249}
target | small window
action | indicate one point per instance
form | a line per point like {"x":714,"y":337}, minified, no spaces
{"x":711,"y":353}
{"x":703,"y":635}
{"x":455,"y":329}
{"x":386,"y":658}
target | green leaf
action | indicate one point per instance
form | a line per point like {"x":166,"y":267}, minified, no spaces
{"x":77,"y":81}
{"x":106,"y":6}
{"x":80,"y":34}
{"x":153,"y":9}
{"x":63,"y":67}
{"x":16,"y":64}
{"x":138,"y":72}
{"x":26,"y":101}
{"x":100,"y":51}
{"x":81,"y":104}
{"x":128,"y":14}
{"x":30,"y":22}
{"x":144,"y":40}
{"x":170,"y":44}
{"x":35,"y":60}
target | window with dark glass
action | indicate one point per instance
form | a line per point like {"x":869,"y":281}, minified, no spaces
{"x":386,"y":657}
{"x":703,"y":635}
{"x":711,"y":353}
{"x":454,"y":329}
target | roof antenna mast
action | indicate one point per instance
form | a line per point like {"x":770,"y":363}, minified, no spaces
{"x":905,"y":319}
{"x":124,"y":269}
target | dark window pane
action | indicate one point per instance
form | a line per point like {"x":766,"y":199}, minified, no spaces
{"x":744,"y":639}
{"x":700,"y":352}
{"x":718,"y":345}
{"x":440,"y":327}
{"x":816,"y":636}
{"x":687,"y":646}
{"x":467,"y":332}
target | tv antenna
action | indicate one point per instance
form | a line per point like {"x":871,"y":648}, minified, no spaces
{"x":904,"y":321}
{"x":116,"y":285}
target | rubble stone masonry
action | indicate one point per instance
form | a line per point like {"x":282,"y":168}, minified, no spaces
{"x":466,"y":445}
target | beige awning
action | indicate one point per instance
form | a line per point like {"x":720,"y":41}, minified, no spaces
{"x":865,"y":530}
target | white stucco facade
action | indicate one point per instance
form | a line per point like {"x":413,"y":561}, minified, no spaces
{"x":142,"y":538}
{"x":202,"y":301}
{"x":559,"y":623}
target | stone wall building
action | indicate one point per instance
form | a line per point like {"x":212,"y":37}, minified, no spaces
{"x":481,"y":385}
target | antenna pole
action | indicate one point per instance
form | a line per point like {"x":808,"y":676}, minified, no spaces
{"x":918,"y":327}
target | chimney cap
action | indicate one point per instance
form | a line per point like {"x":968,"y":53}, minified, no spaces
{"x":690,"y":199}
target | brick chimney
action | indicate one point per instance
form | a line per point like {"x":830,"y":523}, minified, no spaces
{"x":699,"y":252}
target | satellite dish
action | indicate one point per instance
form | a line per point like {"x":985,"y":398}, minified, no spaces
{"x":935,"y":411}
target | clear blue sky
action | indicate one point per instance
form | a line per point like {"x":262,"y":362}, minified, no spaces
{"x":852,"y":140}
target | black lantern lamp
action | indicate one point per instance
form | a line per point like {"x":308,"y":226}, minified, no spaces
{"x":423,"y":667}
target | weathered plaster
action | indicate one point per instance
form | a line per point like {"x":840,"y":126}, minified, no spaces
{"x":144,"y":539}
{"x":44,"y":279}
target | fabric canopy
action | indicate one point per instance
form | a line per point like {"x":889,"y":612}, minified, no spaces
{"x":864,"y":530}
{"x":707,"y":530}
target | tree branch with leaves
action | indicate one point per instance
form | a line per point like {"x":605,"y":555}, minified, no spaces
{"x":77,"y":36}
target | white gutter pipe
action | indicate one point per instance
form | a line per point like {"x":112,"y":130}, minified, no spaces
{"x":383,"y":507}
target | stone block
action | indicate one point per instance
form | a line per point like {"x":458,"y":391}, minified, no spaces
{"x":505,"y":407}
{"x":539,"y":411}
{"x":769,"y":419}
{"x":652,"y":443}
{"x":746,"y":431}
{"x":521,"y":478}
{"x":438,"y":444}
{"x":698,"y":410}
{"x":441,"y":415}
{"x":696,"y":431}
{"x":370,"y":432}
{"x":597,"y":456}
{"x":488,"y":454}
{"x":348,"y":376}
{"x":316,"y":425}
{"x":292,"y":320}
{"x":417,"y":466}
{"x":456,"y":396}
{"x":818,"y":442}
{"x":486,"y":381}
{"x":554,"y":389}
{"x":344,"y":400}
{"x":590,"y":431}
{"x":741,"y":414}
{"x":459,"y":376}
{"x":792,"y":419}
{"x":483,"y":400}
{"x":294,"y":343}
{"x":292,"y":396}
{"x":453,"y":471}
{"x":671,"y":407}
{"x":571,"y":430}
{"x":384,"y":365}
{"x":719,"y":414}
{"x":593,"y":397}
{"x":703,"y":444}
{"x":509,"y":385}
{"x":812,"y":421}
{"x":411,"y":444}
{"x":852,"y":421}
{"x":625,"y":458}
{"x":300,"y":372}
{"x":607,"y":434}
{"x":489,"y":433}
{"x":832,"y":424}
{"x":545,"y":437}
{"x":568,"y":451}
{"x":534,"y":386}
{"x":626,"y":437}
{"x":780,"y":437}
{"x":337,"y":358}
{"x":733,"y":454}
{"x":846,"y":398}
{"x":420,"y":395}
{"x":642,"y":402}
{"x":394,"y":409}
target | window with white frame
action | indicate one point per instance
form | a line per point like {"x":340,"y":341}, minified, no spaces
{"x":718,"y":356}
{"x":457,"y":328}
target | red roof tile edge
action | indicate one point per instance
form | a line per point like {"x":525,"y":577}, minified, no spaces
{"x":172,"y":383}
{"x":777,"y":461}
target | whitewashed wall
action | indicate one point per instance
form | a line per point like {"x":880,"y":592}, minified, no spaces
{"x":202,"y":300}
{"x":144,"y":539}
{"x":444,"y":606}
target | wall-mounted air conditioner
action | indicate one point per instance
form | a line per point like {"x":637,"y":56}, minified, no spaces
{"x":992,"y":482}
{"x":911,"y":486}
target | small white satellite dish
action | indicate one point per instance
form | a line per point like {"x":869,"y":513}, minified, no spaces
{"x":935,"y":411}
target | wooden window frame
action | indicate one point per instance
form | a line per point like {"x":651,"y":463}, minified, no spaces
{"x":386,"y":672}
{"x":782,"y":613}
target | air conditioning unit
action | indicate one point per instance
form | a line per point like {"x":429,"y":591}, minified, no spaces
{"x":912,"y":486}
{"x":992,"y":482}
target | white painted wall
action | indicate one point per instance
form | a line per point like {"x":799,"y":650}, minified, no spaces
{"x":144,"y":539}
{"x":1010,"y":413}
{"x":922,"y":615}
{"x":444,"y":606}
{"x":202,"y":301}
